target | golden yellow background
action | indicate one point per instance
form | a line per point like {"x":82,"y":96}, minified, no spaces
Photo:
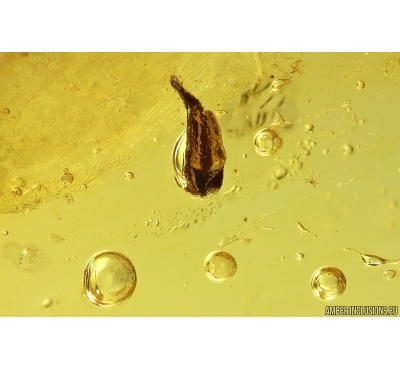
{"x":101,"y":115}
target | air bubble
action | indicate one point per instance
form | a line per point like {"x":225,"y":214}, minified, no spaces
{"x":360,"y":84}
{"x":220,"y":266}
{"x":67,"y":177}
{"x":309,"y":128}
{"x":279,"y":83}
{"x":280,"y":173}
{"x":16,"y":192}
{"x":47,"y":302}
{"x":109,"y":278}
{"x":129,"y":176}
{"x":299,"y":256}
{"x":267,"y":142}
{"x":328,"y":283}
{"x":347,"y":150}
{"x":178,"y":157}
{"x":389,"y":274}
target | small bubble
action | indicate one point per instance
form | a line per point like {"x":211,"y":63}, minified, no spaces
{"x":155,"y":140}
{"x":5,"y":233}
{"x":267,"y":142}
{"x":389,"y":274}
{"x":325,"y":151}
{"x":83,"y":186}
{"x":156,"y":223}
{"x":347,"y":150}
{"x":220,"y":266}
{"x":299,"y":256}
{"x":280,"y":173}
{"x":129,"y":176}
{"x":6,"y":111}
{"x":309,"y":128}
{"x":313,"y":144}
{"x":244,"y":156}
{"x":16,"y":192}
{"x":47,"y":302}
{"x":67,"y":178}
{"x":328,"y":283}
{"x":109,"y":278}
{"x":360,"y":84}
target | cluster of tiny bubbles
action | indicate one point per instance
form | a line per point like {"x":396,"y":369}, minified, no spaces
{"x":129,"y":176}
{"x":220,"y":266}
{"x":109,"y":278}
{"x":267,"y":142}
{"x":360,"y":84}
{"x":389,"y":274}
{"x":328,"y":283}
{"x":299,"y":256}
{"x":67,"y":177}
{"x":347,"y":150}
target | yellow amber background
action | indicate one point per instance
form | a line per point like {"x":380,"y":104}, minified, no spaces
{"x":334,"y":184}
